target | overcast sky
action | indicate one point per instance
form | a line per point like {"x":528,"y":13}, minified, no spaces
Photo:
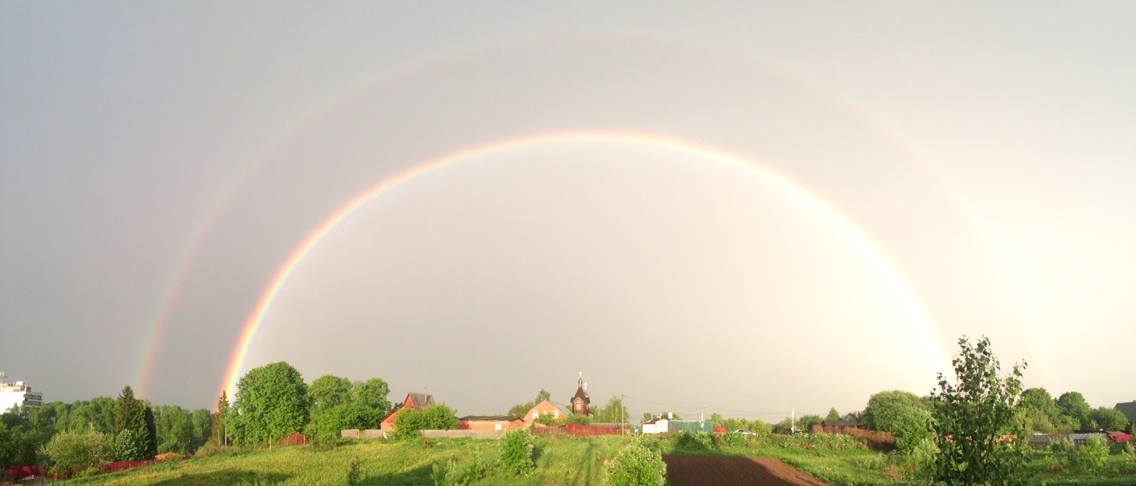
{"x":161,"y":160}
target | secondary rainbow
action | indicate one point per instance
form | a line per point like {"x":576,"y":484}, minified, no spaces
{"x":787,"y":185}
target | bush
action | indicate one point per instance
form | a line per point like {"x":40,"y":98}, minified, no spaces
{"x":1086,"y":458}
{"x":125,"y":446}
{"x":636,"y":465}
{"x":694,"y":440}
{"x":77,"y":452}
{"x":435,"y":417}
{"x":354,"y":476}
{"x":517,"y":452}
{"x":457,"y":474}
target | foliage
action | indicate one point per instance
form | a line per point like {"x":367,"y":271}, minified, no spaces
{"x":327,"y":392}
{"x":636,"y":465}
{"x":517,"y":452}
{"x":614,"y":411}
{"x":1074,"y":406}
{"x":520,"y":409}
{"x":354,"y":476}
{"x":134,"y":415}
{"x":805,"y":422}
{"x":785,"y":426}
{"x":973,"y":419}
{"x":1085,"y":458}
{"x":459,"y":474}
{"x":832,"y":416}
{"x":573,"y":418}
{"x":271,"y":402}
{"x":435,"y":417}
{"x":694,"y":440}
{"x":125,"y":446}
{"x":900,"y":413}
{"x":179,"y":430}
{"x":77,"y":452}
{"x":373,"y":394}
{"x":548,"y":419}
{"x":1110,"y":419}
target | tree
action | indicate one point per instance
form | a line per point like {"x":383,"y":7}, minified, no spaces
{"x":329,"y":391}
{"x":805,"y":423}
{"x":612,"y":412}
{"x":372,"y":393}
{"x":900,"y":413}
{"x":541,"y":396}
{"x":1110,"y":419}
{"x":135,"y":415}
{"x":832,"y":416}
{"x":435,"y":417}
{"x":1038,"y":412}
{"x":974,"y":419}
{"x":272,"y":401}
{"x":217,"y":433}
{"x":1074,"y":406}
{"x":78,"y":452}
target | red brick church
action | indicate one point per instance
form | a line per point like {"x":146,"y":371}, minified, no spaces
{"x":581,"y":400}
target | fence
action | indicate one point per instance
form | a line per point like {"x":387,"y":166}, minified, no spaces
{"x":874,"y":439}
{"x":362,"y":434}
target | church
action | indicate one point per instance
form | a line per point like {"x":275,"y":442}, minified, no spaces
{"x":581,"y":400}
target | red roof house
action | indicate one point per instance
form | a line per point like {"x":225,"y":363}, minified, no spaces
{"x":416,"y":401}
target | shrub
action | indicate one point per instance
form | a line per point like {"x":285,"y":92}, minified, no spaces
{"x":517,"y":452}
{"x":694,"y":440}
{"x":125,"y":446}
{"x":636,"y":465}
{"x":77,"y":452}
{"x":1086,"y":458}
{"x":578,"y":419}
{"x":546,"y":419}
{"x":354,"y":476}
{"x":435,"y":417}
{"x":457,"y":474}
{"x":733,"y":439}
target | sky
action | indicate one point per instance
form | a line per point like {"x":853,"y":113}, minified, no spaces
{"x":750,"y":208}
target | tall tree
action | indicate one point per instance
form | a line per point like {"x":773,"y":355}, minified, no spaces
{"x":974,"y":415}
{"x":1110,"y":419}
{"x":272,"y":401}
{"x":134,"y":415}
{"x":372,"y":393}
{"x":541,"y":396}
{"x":832,"y":416}
{"x":1074,"y":406}
{"x":329,"y":391}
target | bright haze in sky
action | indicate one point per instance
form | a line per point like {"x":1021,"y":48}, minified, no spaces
{"x":741,"y":208}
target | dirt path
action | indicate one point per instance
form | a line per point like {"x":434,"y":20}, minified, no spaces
{"x":764,"y":471}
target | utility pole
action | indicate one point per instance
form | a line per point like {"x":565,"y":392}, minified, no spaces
{"x":793,"y":421}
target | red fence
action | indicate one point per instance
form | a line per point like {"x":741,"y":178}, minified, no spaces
{"x":596,"y":429}
{"x":20,"y":472}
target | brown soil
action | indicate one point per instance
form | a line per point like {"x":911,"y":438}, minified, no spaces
{"x":764,"y":471}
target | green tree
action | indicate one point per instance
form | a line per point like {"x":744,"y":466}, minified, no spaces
{"x":77,"y":452}
{"x":832,"y":416}
{"x":973,"y":418}
{"x":329,"y":391}
{"x":1074,"y":406}
{"x":134,"y":415}
{"x":613,"y":412}
{"x":372,"y":393}
{"x":1110,"y":419}
{"x":805,"y":423}
{"x":272,"y":401}
{"x":900,"y":413}
{"x":541,"y":396}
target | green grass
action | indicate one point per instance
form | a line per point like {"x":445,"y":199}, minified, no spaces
{"x":560,"y":461}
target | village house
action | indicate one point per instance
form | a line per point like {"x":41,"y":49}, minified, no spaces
{"x":416,"y":401}
{"x":545,"y":407}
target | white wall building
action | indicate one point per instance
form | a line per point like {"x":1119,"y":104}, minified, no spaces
{"x":17,"y":395}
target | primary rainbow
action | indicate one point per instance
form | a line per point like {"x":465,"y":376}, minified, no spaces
{"x":779,"y":181}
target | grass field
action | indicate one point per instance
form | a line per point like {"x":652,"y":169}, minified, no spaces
{"x":560,"y":461}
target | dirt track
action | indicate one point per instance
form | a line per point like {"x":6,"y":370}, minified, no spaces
{"x":698,"y":470}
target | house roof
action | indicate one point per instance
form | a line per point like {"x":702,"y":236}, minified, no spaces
{"x":1128,"y":409}
{"x":488,"y":418}
{"x":419,"y":400}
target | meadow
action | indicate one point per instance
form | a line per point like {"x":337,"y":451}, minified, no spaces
{"x":561,"y":460}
